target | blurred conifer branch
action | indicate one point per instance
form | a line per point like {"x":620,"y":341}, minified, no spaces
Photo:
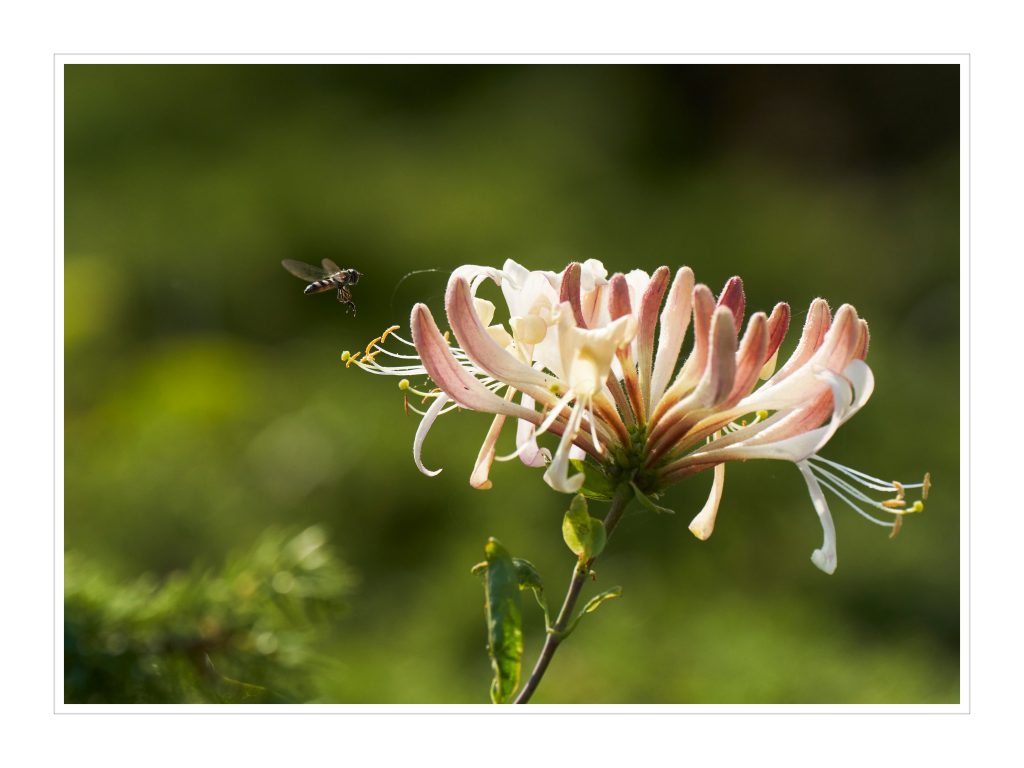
{"x":246,"y":633}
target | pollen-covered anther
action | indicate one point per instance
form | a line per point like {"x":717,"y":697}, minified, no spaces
{"x":351,"y":358}
{"x":900,"y":491}
{"x":926,"y":485}
{"x":894,"y":503}
{"x":897,"y":526}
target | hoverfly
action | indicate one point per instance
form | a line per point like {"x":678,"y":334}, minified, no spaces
{"x":320,"y":280}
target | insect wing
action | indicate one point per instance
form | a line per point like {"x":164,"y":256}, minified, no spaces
{"x":304,"y":271}
{"x":330,"y":267}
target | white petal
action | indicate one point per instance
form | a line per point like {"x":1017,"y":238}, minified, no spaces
{"x":704,"y":523}
{"x":421,"y":434}
{"x":825,"y":557}
{"x":557,"y":473}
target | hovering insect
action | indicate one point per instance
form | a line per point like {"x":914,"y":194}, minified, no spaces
{"x":330,"y":277}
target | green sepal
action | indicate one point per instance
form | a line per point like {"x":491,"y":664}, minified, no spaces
{"x":504,"y":611}
{"x":648,"y":503}
{"x":584,"y":535}
{"x":596,"y":484}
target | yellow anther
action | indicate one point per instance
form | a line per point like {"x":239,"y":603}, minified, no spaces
{"x":370,"y":358}
{"x":388,"y":332}
{"x":403,"y":384}
{"x":352,"y":359}
{"x":894,"y":503}
{"x":896,"y":526}
{"x":370,"y":345}
{"x":447,"y":337}
{"x":926,"y":485}
{"x":899,"y":489}
{"x":405,"y":404}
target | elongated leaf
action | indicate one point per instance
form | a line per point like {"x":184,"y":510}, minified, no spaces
{"x":529,"y":578}
{"x":503,"y":607}
{"x":592,"y":605}
{"x":596,"y":484}
{"x":595,"y":602}
{"x":584,"y":535}
{"x":648,"y":503}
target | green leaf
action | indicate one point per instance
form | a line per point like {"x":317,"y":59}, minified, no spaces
{"x":596,"y":484}
{"x":592,"y":605}
{"x":595,"y":602}
{"x":503,"y":607}
{"x":648,"y":503}
{"x":584,"y":534}
{"x":529,"y":578}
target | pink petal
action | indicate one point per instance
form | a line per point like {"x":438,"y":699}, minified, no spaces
{"x":863,"y":341}
{"x":478,"y":345}
{"x":458,"y":383}
{"x":479,"y":477}
{"x":733,"y":298}
{"x":619,"y":306}
{"x":675,"y":318}
{"x":570,"y":291}
{"x":703,"y":307}
{"x":713,"y":388}
{"x":817,"y":324}
{"x":778,"y":324}
{"x":647,"y":319}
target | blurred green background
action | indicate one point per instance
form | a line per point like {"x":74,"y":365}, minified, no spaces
{"x":209,"y":421}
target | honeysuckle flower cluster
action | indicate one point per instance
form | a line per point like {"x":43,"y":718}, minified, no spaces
{"x":598,"y":362}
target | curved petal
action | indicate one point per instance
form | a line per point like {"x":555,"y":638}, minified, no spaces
{"x":647,"y":322}
{"x":704,"y":523}
{"x":824,"y":558}
{"x":478,"y":345}
{"x":557,"y":473}
{"x":569,"y":291}
{"x":421,"y":434}
{"x":819,"y":319}
{"x":454,"y":380}
{"x":703,"y":305}
{"x":732,"y":296}
{"x":481,"y":469}
{"x":526,"y":440}
{"x":675,"y":319}
{"x":790,"y":438}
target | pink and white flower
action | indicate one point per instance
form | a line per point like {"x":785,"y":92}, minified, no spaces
{"x":597,"y":361}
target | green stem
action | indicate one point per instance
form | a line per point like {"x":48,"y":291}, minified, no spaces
{"x":623,"y":495}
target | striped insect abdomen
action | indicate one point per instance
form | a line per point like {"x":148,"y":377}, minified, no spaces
{"x":319,"y":286}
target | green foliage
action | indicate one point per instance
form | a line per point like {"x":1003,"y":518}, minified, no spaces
{"x":584,"y":535}
{"x":242,"y":634}
{"x":596,"y":484}
{"x":529,"y":578}
{"x":504,"y":609}
{"x":648,"y":503}
{"x":592,"y":605}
